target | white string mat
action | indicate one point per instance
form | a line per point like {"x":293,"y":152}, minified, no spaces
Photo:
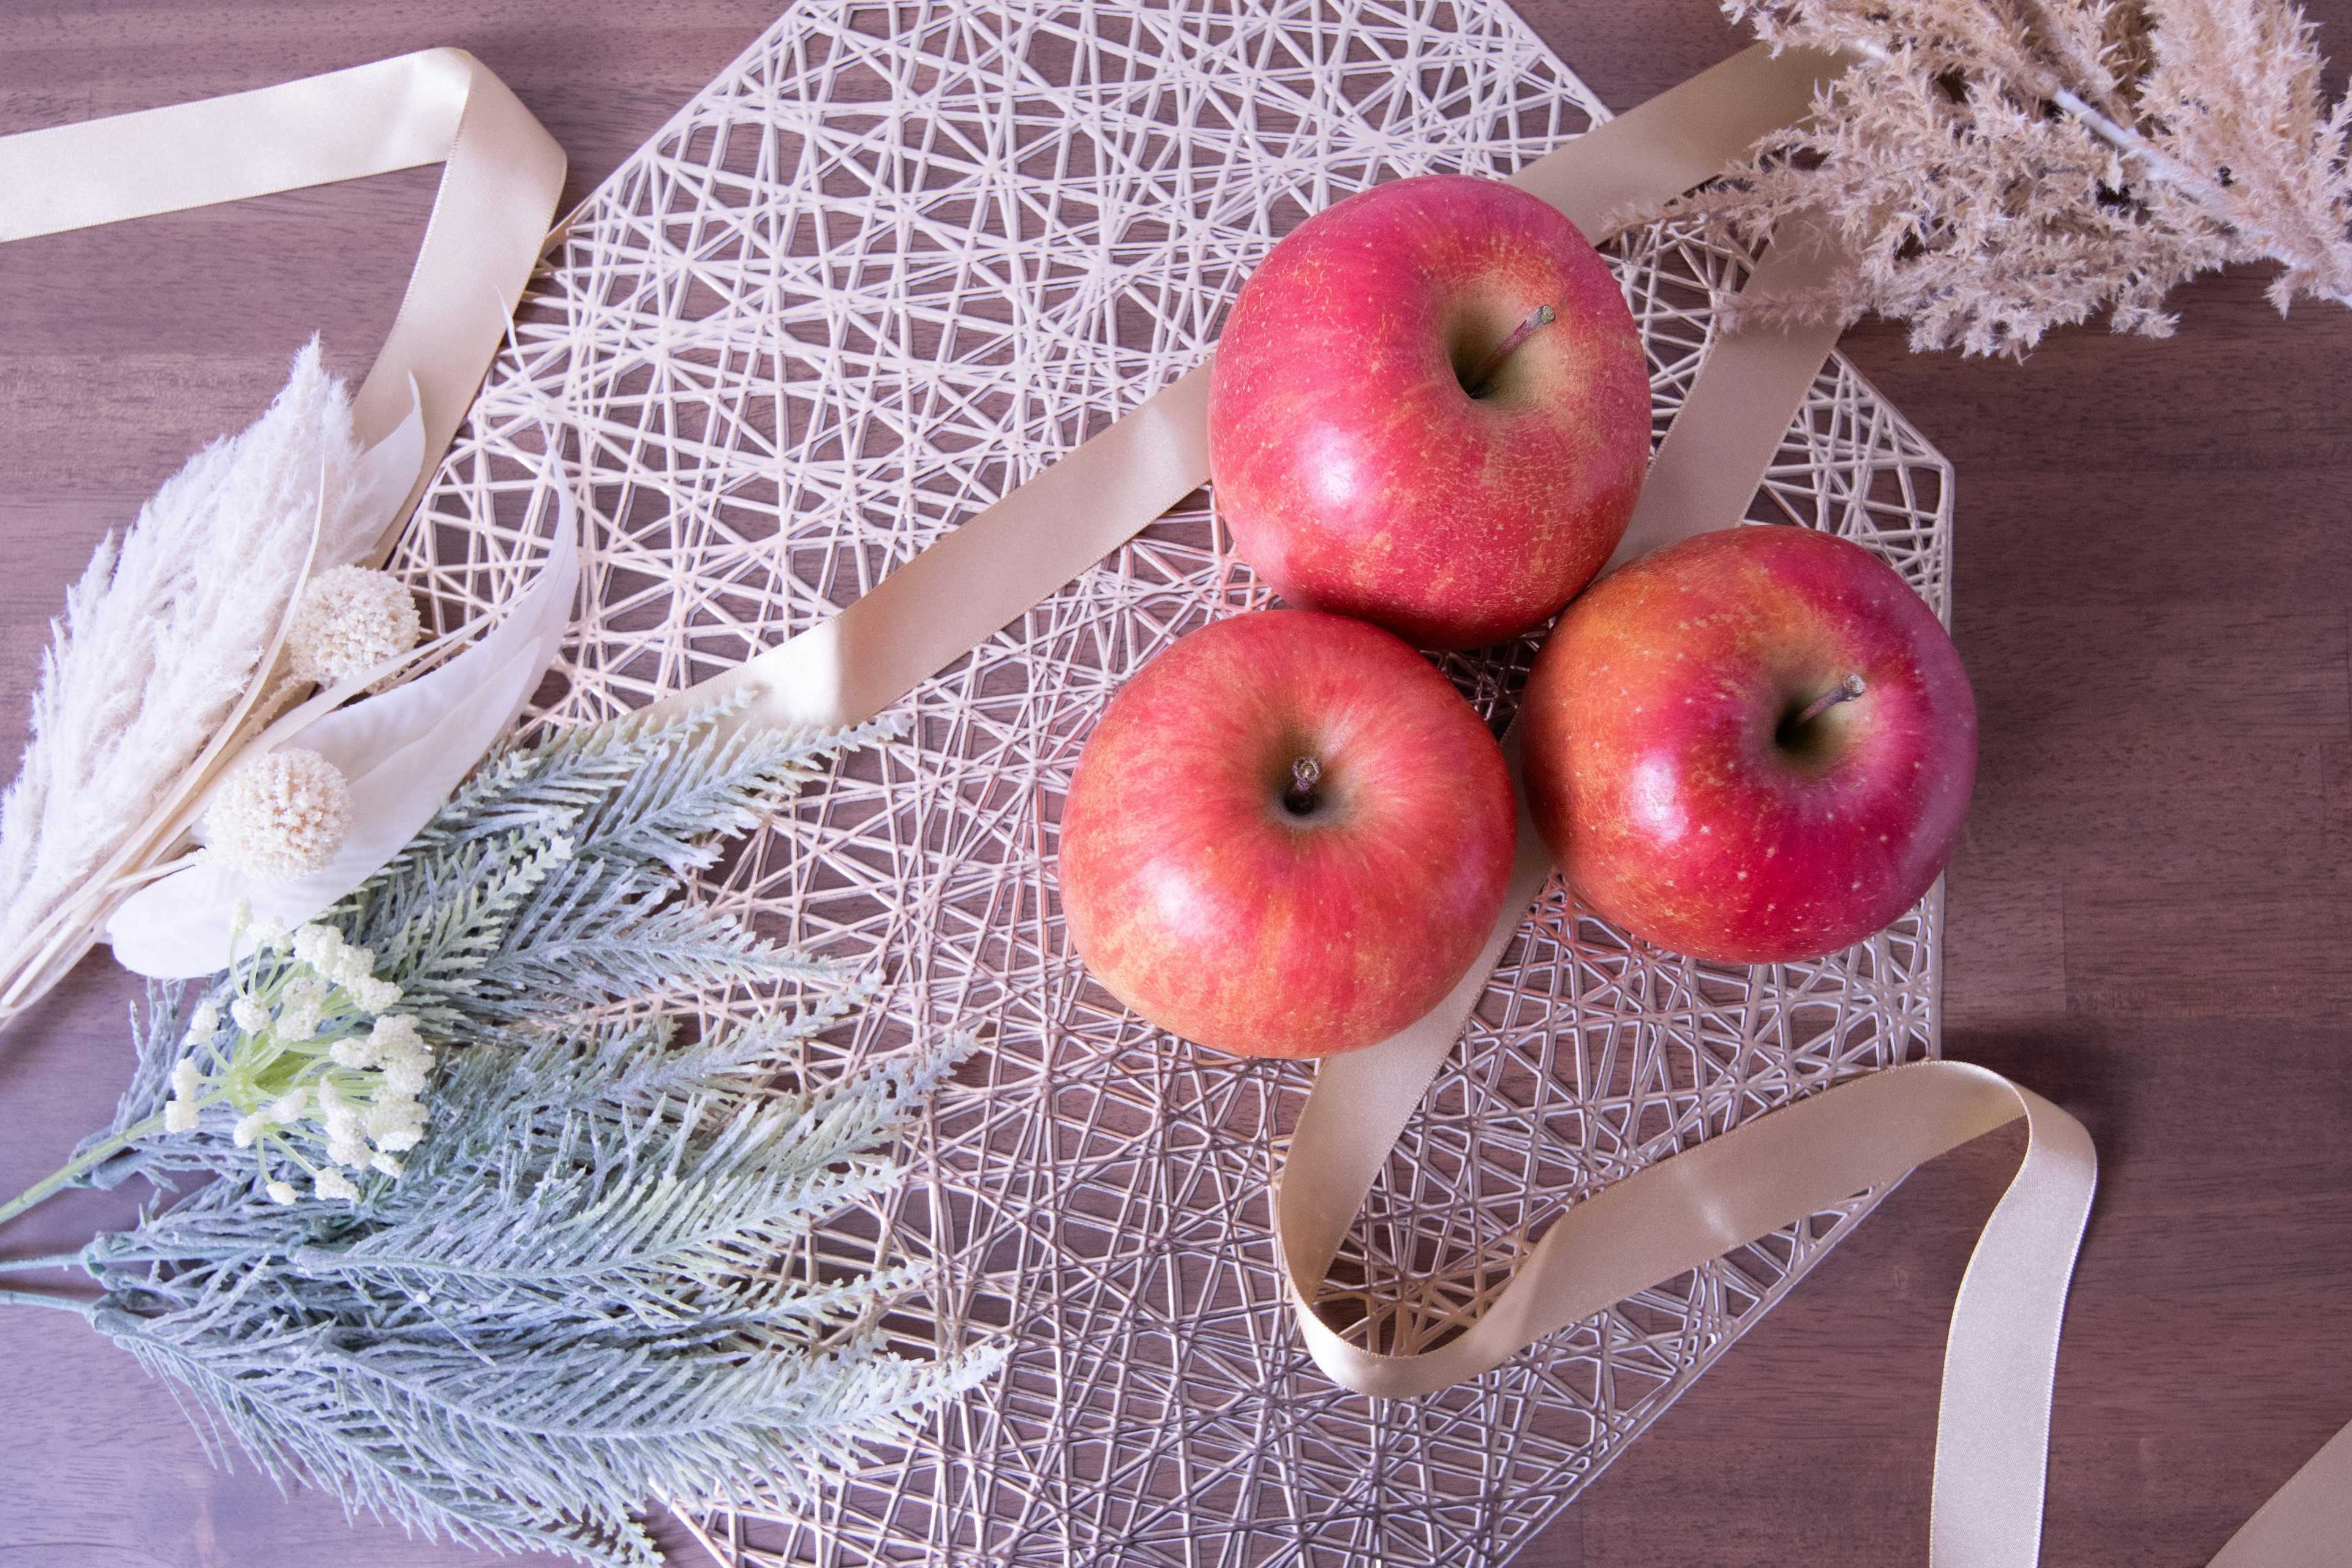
{"x":893,"y":262}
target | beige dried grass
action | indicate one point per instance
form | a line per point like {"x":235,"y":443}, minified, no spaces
{"x":1993,"y":168}
{"x":159,"y":642}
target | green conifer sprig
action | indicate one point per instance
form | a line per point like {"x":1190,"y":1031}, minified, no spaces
{"x":580,"y":1290}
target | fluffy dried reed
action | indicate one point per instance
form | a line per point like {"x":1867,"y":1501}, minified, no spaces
{"x":1994,"y":168}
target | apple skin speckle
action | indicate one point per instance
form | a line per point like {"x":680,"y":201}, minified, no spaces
{"x":1670,"y":816}
{"x":1357,"y":473}
{"x":1199,"y":897}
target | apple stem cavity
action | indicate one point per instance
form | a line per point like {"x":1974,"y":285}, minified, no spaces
{"x":1542,"y":316}
{"x":1846,"y":690}
{"x":1304,"y":775}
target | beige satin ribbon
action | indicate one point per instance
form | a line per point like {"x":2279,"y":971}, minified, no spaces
{"x":503,"y":176}
{"x":942,"y":603}
{"x":2307,"y":1523}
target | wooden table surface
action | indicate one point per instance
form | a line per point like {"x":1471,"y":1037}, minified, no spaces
{"x":2150,"y":914}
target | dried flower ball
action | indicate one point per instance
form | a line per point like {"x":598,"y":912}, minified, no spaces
{"x":347,"y":621}
{"x":281,"y":815}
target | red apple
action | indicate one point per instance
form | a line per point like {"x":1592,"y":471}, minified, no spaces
{"x":1288,"y":837}
{"x":1386,"y":442}
{"x":1756,"y":746}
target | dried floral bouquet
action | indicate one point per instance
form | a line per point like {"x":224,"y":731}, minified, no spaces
{"x":480,"y":1244}
{"x":1989,"y":169}
{"x":478,"y":1237}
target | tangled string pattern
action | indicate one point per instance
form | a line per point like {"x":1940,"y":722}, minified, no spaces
{"x":894,"y":260}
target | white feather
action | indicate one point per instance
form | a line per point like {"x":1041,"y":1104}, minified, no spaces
{"x":381,"y":481}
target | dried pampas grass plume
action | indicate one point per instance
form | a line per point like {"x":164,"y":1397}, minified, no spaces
{"x":163,"y":637}
{"x":1993,"y":168}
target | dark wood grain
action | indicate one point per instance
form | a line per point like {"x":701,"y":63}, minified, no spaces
{"x":2148,"y":916}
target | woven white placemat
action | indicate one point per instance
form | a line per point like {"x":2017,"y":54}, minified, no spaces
{"x":891,"y":263}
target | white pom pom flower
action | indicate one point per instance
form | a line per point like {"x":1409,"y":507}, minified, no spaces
{"x":374,"y":995}
{"x":282,"y":816}
{"x":347,"y":621}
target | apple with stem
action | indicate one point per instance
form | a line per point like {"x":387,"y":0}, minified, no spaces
{"x":1289,"y":835}
{"x":1430,"y":409}
{"x":1756,"y":746}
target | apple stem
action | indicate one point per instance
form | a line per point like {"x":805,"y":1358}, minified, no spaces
{"x":1304,"y":775}
{"x":1846,"y":690}
{"x":1542,"y":316}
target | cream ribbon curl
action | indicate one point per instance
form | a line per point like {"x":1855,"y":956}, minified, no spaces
{"x":1992,"y":1436}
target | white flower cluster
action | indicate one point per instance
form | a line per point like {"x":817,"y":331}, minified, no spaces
{"x":347,"y":621}
{"x":393,"y":1119}
{"x":323,"y":949}
{"x":281,"y":815}
{"x":312,"y":1056}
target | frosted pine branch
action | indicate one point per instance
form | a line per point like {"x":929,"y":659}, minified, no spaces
{"x":588,"y":1282}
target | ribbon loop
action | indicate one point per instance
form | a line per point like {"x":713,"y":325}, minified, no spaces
{"x":1669,"y":1218}
{"x":498,"y":195}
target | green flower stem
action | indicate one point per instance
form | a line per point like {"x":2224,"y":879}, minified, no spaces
{"x":34,"y":1299}
{"x":60,"y":1260}
{"x":75,"y":1166}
